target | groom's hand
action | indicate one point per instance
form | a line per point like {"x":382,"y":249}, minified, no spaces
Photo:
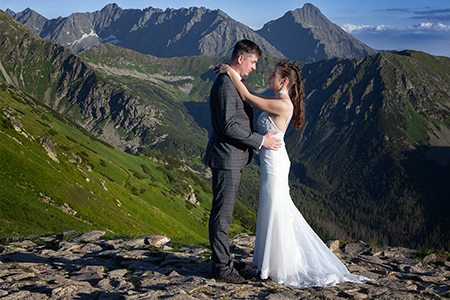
{"x":271,"y":142}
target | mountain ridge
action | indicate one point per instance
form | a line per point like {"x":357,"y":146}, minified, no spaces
{"x":201,"y":31}
{"x":125,"y":27}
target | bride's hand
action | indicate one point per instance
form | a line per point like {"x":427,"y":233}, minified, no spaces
{"x":221,"y":69}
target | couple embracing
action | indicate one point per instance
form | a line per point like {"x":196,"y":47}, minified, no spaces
{"x":287,"y":250}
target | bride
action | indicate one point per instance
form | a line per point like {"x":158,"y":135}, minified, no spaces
{"x":287,"y":250}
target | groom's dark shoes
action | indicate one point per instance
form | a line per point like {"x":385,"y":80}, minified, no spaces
{"x":230,"y":275}
{"x":239,"y":265}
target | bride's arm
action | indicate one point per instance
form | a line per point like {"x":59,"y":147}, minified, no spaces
{"x":269,"y":105}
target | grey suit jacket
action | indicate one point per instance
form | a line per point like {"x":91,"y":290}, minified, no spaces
{"x":233,"y":139}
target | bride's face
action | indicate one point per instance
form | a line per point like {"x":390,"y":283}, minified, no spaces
{"x":275,"y":80}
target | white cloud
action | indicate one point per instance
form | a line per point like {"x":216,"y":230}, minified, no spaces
{"x":431,"y":28}
{"x":433,"y":38}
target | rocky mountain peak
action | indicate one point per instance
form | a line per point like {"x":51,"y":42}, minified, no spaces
{"x":29,"y":16}
{"x":111,"y":8}
{"x":308,"y":15}
{"x":312,"y":37}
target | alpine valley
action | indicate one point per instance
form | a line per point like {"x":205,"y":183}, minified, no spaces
{"x":105,"y":119}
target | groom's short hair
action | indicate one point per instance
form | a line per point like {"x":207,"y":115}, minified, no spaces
{"x":245,"y":47}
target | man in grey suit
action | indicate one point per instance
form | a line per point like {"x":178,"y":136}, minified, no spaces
{"x":229,"y":150}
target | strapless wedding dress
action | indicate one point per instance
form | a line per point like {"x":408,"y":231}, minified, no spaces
{"x":286,"y":248}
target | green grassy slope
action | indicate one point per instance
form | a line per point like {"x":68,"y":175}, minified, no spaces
{"x":100,"y":187}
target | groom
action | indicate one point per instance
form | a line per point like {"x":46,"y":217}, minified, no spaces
{"x":229,"y":150}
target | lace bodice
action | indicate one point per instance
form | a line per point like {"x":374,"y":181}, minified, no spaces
{"x":265,"y":124}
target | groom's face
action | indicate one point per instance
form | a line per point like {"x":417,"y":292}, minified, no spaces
{"x":247,"y":63}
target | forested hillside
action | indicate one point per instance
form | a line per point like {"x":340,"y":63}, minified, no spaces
{"x":373,"y":159}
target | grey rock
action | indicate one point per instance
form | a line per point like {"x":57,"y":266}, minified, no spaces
{"x":91,"y":247}
{"x":69,"y":246}
{"x":69,"y":234}
{"x":110,"y":296}
{"x":23,"y":244}
{"x":333,"y":245}
{"x":400,"y":252}
{"x":88,"y":236}
{"x":430,"y":258}
{"x":11,"y":249}
{"x":45,"y":239}
{"x":25,"y":295}
{"x":378,"y":251}
{"x":357,"y":247}
{"x":134,"y":269}
{"x":157,"y":241}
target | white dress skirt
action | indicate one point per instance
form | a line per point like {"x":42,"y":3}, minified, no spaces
{"x":287,"y":250}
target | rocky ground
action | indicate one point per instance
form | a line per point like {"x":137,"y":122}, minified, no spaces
{"x":74,"y":266}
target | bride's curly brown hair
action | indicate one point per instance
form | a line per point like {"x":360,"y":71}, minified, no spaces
{"x":296,"y":91}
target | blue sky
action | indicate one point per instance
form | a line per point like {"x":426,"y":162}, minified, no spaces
{"x":383,"y":24}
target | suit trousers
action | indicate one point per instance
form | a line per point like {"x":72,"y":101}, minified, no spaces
{"x":225,"y":186}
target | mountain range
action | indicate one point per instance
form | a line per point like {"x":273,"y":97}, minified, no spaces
{"x":197,"y":31}
{"x":371,"y":163}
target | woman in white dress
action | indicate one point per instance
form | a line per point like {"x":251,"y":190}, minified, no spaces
{"x":287,"y":250}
